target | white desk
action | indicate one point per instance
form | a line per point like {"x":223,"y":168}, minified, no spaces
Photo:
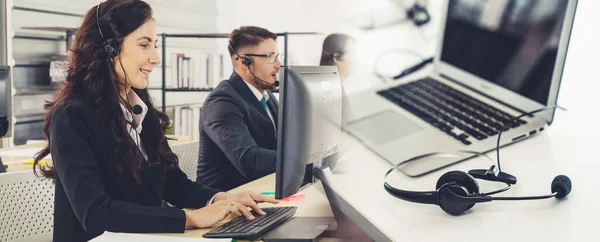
{"x":569,"y":146}
{"x":535,"y":162}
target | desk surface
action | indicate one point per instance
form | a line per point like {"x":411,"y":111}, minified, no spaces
{"x":314,"y":205}
{"x":569,"y":146}
{"x":535,"y":162}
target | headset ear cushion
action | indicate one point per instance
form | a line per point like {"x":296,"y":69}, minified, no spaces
{"x":111,"y":48}
{"x":247,"y":61}
{"x":457,"y":181}
{"x":459,"y":178}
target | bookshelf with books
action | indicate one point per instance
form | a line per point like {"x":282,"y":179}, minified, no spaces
{"x":200,"y":72}
{"x":186,"y":120}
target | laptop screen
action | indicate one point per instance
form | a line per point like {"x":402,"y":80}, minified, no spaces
{"x":512,"y":43}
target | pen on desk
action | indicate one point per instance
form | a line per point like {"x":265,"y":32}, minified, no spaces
{"x":413,"y":69}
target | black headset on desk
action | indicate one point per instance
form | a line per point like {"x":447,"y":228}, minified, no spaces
{"x":418,"y":14}
{"x":457,"y":191}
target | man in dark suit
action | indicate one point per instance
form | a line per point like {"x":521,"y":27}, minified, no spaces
{"x":238,"y":122}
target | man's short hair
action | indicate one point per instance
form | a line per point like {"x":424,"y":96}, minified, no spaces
{"x":248,"y":36}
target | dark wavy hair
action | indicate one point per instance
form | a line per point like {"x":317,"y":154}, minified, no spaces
{"x":334,"y":43}
{"x":91,"y":74}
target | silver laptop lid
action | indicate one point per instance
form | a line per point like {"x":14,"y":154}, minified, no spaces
{"x":510,"y":50}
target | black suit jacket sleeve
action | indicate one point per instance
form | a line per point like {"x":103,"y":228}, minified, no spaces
{"x":79,"y":172}
{"x":226,"y":127}
{"x":184,"y":193}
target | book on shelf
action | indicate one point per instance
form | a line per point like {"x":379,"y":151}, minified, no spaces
{"x":185,"y":76}
{"x":199,"y":70}
{"x":215,"y":74}
{"x":176,"y":61}
{"x":186,"y":121}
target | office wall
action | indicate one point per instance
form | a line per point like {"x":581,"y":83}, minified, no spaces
{"x":293,"y":16}
{"x":379,"y":26}
{"x":32,"y":50}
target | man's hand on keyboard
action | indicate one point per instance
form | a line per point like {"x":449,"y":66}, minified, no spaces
{"x":247,"y":198}
{"x":215,"y":213}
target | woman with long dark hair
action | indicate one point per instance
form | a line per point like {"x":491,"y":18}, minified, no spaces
{"x":111,"y":162}
{"x":338,"y":50}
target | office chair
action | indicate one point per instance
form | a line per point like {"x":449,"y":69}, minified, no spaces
{"x":26,"y":207}
{"x":188,"y":157}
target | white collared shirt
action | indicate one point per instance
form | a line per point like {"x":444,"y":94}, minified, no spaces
{"x":137,"y":119}
{"x":259,"y":96}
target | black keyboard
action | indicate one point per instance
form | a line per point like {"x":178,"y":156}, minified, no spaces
{"x":242,"y":229}
{"x":450,"y":110}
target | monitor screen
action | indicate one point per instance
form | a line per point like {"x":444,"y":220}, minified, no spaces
{"x":4,"y":91}
{"x":512,"y":43}
{"x":4,"y":100}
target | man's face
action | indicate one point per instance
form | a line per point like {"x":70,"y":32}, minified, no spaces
{"x":261,"y":65}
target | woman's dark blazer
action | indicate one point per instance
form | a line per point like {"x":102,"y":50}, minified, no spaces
{"x":92,"y":196}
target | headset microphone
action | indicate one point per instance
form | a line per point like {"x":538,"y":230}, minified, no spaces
{"x":274,"y":84}
{"x":494,"y":173}
{"x":137,"y":109}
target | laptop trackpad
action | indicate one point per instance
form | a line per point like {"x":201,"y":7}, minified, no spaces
{"x":384,"y":127}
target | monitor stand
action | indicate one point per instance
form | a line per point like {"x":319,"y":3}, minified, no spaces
{"x":345,"y":229}
{"x":2,"y":166}
{"x":299,"y":229}
{"x":305,"y":229}
{"x":3,"y":126}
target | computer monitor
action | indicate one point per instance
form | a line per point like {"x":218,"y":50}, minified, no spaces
{"x":309,"y":125}
{"x":4,"y":100}
{"x":309,"y":142}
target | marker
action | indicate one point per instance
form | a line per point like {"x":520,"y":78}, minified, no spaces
{"x":30,"y":162}
{"x":268,"y":193}
{"x":26,"y":162}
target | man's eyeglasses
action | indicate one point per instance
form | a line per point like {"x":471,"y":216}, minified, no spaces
{"x":271,"y":57}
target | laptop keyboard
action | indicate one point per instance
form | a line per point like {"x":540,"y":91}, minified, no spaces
{"x":450,"y":110}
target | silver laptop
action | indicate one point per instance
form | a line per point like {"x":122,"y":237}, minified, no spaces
{"x":496,"y":60}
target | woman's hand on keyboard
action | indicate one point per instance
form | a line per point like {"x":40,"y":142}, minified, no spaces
{"x":215,"y":213}
{"x":248,"y":198}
